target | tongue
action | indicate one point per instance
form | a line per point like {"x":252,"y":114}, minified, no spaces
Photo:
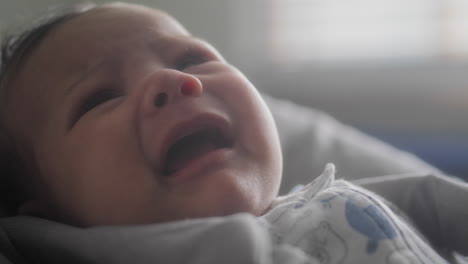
{"x":181,"y":156}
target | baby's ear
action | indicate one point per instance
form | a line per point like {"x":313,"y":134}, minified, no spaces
{"x":16,"y":181}
{"x":7,"y":152}
{"x":5,"y":174}
{"x":10,"y":169}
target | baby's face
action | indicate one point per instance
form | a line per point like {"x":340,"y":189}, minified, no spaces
{"x":132,"y":120}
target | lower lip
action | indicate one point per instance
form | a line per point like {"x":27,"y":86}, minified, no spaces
{"x":194,"y":167}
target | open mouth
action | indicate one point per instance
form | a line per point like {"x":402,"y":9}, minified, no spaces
{"x":193,"y":146}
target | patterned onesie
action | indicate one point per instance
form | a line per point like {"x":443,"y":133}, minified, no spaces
{"x":334,"y":221}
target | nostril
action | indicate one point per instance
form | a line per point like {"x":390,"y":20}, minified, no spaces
{"x":160,"y":99}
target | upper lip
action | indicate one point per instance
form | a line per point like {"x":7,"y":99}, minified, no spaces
{"x":190,"y":126}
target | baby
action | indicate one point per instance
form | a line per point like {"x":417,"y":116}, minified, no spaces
{"x":115,"y":115}
{"x":125,"y":118}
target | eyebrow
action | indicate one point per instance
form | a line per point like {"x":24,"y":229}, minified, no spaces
{"x":86,"y":73}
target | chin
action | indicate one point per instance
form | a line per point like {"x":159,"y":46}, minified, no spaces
{"x":237,"y":198}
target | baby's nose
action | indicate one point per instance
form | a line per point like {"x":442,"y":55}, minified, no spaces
{"x":190,"y":86}
{"x":167,"y":86}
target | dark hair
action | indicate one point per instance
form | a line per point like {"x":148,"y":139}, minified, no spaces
{"x":15,"y":50}
{"x":16,"y":47}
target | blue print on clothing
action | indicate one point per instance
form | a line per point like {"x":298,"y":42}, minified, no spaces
{"x":371,"y":222}
{"x":326,"y":203}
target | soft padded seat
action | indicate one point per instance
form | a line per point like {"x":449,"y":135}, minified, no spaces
{"x":311,"y":138}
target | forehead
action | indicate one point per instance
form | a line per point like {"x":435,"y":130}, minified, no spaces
{"x":109,"y":26}
{"x":122,"y":17}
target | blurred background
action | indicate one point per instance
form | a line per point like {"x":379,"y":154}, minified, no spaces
{"x":396,"y":69}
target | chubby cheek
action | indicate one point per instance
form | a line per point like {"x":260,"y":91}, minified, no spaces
{"x":256,"y":128}
{"x":96,"y":174}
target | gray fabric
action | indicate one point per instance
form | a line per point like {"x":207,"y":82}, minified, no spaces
{"x":7,"y":249}
{"x":4,"y":260}
{"x":234,"y":239}
{"x":437,"y":204}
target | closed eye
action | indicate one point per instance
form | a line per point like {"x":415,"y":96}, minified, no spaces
{"x":95,"y":99}
{"x":191,"y":59}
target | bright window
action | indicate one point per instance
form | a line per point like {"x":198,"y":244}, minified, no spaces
{"x":368,"y":30}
